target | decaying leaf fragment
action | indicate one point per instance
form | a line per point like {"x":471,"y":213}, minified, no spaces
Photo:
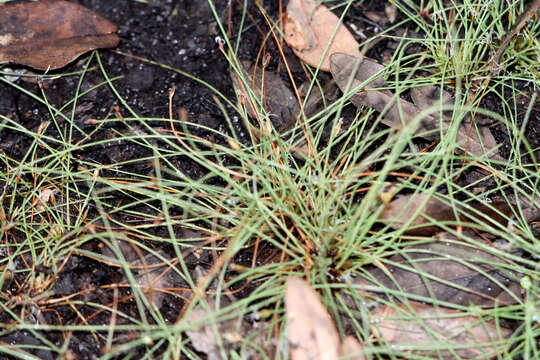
{"x":212,"y":337}
{"x":448,"y":271}
{"x":351,"y":72}
{"x":151,"y":274}
{"x":399,"y":211}
{"x":438,"y":332}
{"x":49,"y":34}
{"x":312,"y":333}
{"x":309,"y":27}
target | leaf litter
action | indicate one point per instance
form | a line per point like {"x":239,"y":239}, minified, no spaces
{"x":314,"y":32}
{"x":308,"y":30}
{"x":437,"y":332}
{"x":447,"y":269}
{"x":431,"y":210}
{"x":49,"y":34}
{"x":212,"y":338}
{"x":276,"y":98}
{"x":366,"y":75}
{"x":152,"y":271}
{"x":312,"y":333}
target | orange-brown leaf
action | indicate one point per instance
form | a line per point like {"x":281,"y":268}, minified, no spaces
{"x":309,"y":27}
{"x":49,"y":34}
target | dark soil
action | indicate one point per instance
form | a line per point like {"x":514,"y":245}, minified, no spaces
{"x":181,"y":34}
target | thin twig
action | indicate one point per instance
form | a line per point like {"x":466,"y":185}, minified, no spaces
{"x":525,"y":17}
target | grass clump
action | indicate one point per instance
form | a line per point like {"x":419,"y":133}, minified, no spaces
{"x":255,"y":208}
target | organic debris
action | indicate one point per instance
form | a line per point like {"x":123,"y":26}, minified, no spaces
{"x":49,"y":34}
{"x":447,"y":270}
{"x":314,"y":33}
{"x":212,"y":338}
{"x":437,"y":332}
{"x":152,"y":274}
{"x":274,"y":96}
{"x":280,"y":104}
{"x":366,"y":77}
{"x":431,"y":210}
{"x":312,"y":333}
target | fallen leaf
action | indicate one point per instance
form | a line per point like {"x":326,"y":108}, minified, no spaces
{"x":308,"y":29}
{"x":351,"y":349}
{"x":317,"y":100}
{"x":205,"y":338}
{"x":49,"y":34}
{"x":312,"y":334}
{"x":438,"y":332}
{"x":431,"y":96}
{"x":352,"y":72}
{"x":272,"y":94}
{"x":446,"y":271}
{"x":398,"y":212}
{"x":212,"y":336}
{"x":152,"y":275}
{"x":280,"y":103}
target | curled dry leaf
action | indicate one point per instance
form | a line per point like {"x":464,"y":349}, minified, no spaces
{"x":351,"y":72}
{"x":312,"y":334}
{"x":447,"y":271}
{"x":309,"y":27}
{"x":45,"y":195}
{"x":399,"y":211}
{"x":49,"y":34}
{"x":439,"y":332}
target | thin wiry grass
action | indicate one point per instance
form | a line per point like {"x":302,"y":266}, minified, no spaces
{"x":319,"y":212}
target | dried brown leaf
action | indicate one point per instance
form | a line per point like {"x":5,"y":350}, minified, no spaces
{"x":312,"y":334}
{"x":45,"y":195}
{"x":211,"y":337}
{"x":49,"y":34}
{"x":274,"y":95}
{"x":447,"y":271}
{"x":399,"y":211}
{"x":352,"y":349}
{"x":309,"y":27}
{"x":446,"y":332}
{"x":151,"y":273}
{"x":430,"y":96}
{"x":352,"y":72}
